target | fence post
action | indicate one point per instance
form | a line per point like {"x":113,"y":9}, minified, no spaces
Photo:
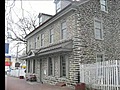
{"x":117,"y":74}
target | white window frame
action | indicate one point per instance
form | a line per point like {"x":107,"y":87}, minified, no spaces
{"x":103,"y":4}
{"x":96,"y":29}
{"x":63,"y":30}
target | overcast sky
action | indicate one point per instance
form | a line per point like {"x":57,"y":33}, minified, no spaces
{"x":34,"y":7}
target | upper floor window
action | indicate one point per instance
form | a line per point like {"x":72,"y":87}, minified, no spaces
{"x":103,"y":5}
{"x":62,"y":66}
{"x":63,"y":30}
{"x":51,"y":35}
{"x":50,"y":66}
{"x":29,"y":44}
{"x":58,"y":6}
{"x":98,"y":29}
{"x":42,"y":39}
{"x":35,"y":40}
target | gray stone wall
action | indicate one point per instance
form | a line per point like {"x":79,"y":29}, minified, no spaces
{"x":70,"y":21}
{"x":86,"y":46}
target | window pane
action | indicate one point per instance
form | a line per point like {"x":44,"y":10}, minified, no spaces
{"x":51,"y":35}
{"x":103,"y":8}
{"x":97,"y":34}
{"x":42,"y":39}
{"x":59,"y":4}
{"x":64,"y":34}
{"x":50,"y":66}
{"x":64,"y":30}
{"x":99,"y":58}
{"x":103,"y":5}
{"x":33,"y":66}
{"x":62,"y":66}
{"x":28,"y":66}
{"x":103,"y":2}
{"x":63,"y":25}
{"x":97,"y":24}
{"x":58,"y":7}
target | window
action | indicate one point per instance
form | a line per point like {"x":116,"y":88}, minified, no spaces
{"x":42,"y":39}
{"x":33,"y":66}
{"x":58,"y":6}
{"x":98,"y":29}
{"x":50,"y":66}
{"x":99,"y":57}
{"x":35,"y":40}
{"x":51,"y":35}
{"x":63,"y":30}
{"x":29,"y":45}
{"x":40,"y":20}
{"x":28,"y":66}
{"x":99,"y":60}
{"x":103,"y":5}
{"x":62,"y":66}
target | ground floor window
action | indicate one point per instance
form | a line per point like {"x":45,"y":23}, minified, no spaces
{"x":33,"y":66}
{"x":28,"y":66}
{"x":62,"y":66}
{"x":50,"y":66}
{"x":99,"y":60}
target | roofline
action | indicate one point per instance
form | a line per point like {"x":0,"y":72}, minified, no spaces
{"x":73,"y":6}
{"x":27,"y":36}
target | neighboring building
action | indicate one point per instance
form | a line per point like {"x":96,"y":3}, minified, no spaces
{"x":17,"y":64}
{"x":85,"y":31}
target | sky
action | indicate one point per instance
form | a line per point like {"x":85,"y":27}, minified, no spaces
{"x":32,"y":6}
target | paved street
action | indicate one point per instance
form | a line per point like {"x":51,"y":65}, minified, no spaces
{"x":13,"y":83}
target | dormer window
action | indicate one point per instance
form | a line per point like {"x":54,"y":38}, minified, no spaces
{"x":58,"y":6}
{"x":104,"y":5}
{"x":40,"y":20}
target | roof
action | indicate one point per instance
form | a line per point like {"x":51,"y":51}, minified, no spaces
{"x":65,"y":46}
{"x":71,"y":6}
{"x":47,"y":21}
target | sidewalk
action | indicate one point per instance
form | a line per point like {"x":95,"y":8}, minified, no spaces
{"x":12,"y":83}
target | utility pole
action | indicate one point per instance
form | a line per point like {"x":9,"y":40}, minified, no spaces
{"x":17,"y":53}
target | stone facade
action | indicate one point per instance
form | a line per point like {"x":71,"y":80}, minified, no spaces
{"x":80,"y":30}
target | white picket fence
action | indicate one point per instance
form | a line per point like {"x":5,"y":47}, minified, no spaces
{"x":101,"y":75}
{"x":17,"y":72}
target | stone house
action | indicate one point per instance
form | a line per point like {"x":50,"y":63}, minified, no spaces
{"x":85,"y":31}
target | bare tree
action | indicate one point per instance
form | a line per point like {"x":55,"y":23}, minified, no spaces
{"x":22,"y":27}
